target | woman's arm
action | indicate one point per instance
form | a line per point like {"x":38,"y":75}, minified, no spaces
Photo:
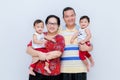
{"x":58,"y":48}
{"x":43,"y":56}
{"x":53,"y":55}
{"x":32,"y":52}
{"x":35,"y":53}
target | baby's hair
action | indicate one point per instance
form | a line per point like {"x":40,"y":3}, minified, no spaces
{"x":85,"y":17}
{"x":37,"y":21}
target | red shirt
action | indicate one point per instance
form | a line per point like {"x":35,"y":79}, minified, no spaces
{"x":54,"y":64}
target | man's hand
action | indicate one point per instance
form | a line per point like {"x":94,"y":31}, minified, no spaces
{"x":82,"y":42}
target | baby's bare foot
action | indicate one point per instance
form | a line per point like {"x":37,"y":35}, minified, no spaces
{"x":32,"y":73}
{"x":47,"y":69}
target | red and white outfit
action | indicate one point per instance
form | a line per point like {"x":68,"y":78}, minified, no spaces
{"x":40,"y":37}
{"x":38,"y":47}
{"x":81,"y":36}
{"x":54,"y":64}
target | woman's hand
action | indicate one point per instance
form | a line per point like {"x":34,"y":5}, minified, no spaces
{"x":42,"y":56}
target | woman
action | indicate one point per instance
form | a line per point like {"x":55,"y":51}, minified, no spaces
{"x":55,"y":50}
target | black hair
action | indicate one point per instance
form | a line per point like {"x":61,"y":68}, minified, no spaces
{"x":85,"y":17}
{"x":68,"y":8}
{"x":37,"y":21}
{"x":53,"y":16}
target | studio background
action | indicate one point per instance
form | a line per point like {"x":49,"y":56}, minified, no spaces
{"x":16,"y":29}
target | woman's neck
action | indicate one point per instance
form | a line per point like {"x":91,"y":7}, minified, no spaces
{"x":52,"y":34}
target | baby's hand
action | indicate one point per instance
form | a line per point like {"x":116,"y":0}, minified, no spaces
{"x":71,"y":41}
{"x":44,"y":41}
{"x":53,"y":40}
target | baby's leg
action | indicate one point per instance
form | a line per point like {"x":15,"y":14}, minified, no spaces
{"x":87,"y":64}
{"x":83,"y":58}
{"x":88,"y":55}
{"x":91,"y":61}
{"x":31,"y":72}
{"x":47,"y":67}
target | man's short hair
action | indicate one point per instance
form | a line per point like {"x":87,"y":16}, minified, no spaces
{"x":68,"y":8}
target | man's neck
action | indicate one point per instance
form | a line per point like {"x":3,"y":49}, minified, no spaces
{"x":70,"y":27}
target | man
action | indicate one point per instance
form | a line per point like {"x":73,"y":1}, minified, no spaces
{"x":71,"y":66}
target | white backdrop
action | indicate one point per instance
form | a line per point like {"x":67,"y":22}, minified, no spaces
{"x":17,"y":17}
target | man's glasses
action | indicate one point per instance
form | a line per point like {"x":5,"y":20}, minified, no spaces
{"x":54,"y":24}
